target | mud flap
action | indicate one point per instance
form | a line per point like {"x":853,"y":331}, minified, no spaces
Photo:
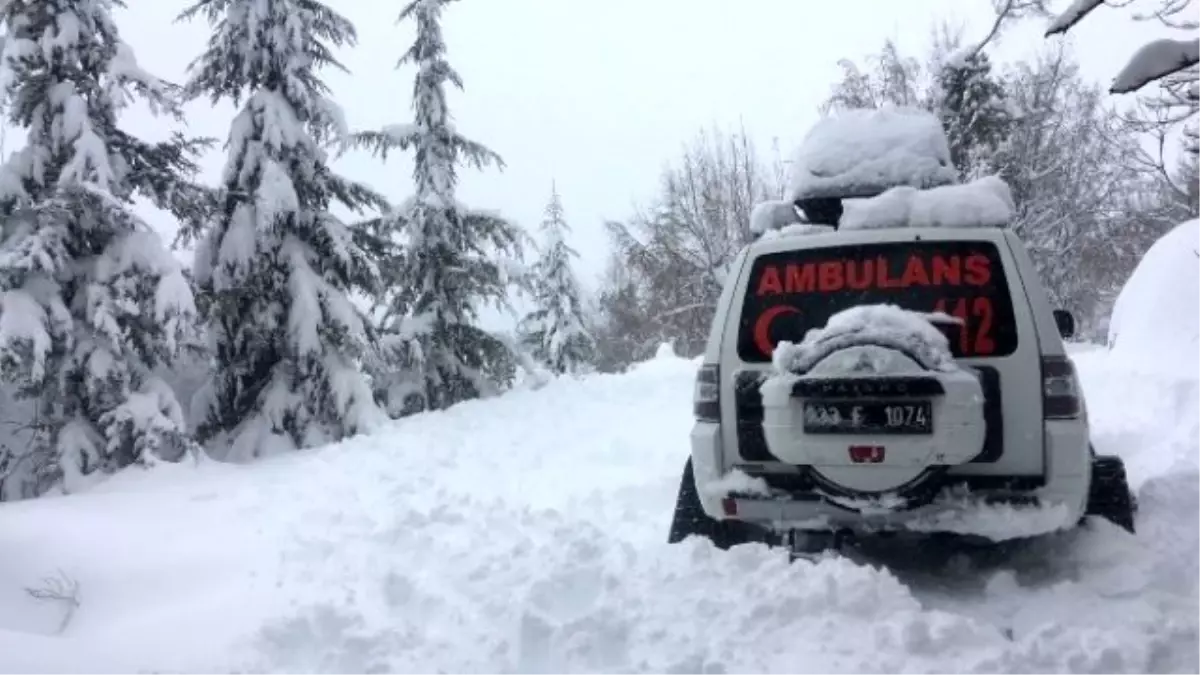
{"x":1110,"y":497}
{"x":691,"y":520}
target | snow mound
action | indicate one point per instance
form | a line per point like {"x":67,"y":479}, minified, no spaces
{"x":883,"y":325}
{"x":1158,"y":435}
{"x":862,"y":153}
{"x":1156,"y":319}
{"x":984,"y":202}
{"x":665,"y":351}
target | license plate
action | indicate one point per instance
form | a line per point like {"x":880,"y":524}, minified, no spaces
{"x":876,"y":417}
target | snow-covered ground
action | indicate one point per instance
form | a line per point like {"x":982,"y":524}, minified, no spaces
{"x":526,"y":533}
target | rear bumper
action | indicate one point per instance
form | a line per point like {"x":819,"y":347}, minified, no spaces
{"x":991,"y":507}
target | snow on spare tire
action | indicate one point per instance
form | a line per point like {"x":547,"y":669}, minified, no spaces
{"x":872,"y":345}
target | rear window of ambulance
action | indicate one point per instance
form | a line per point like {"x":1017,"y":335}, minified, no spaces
{"x":793,"y":291}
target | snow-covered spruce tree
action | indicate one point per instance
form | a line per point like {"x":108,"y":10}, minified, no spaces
{"x":275,"y":264}
{"x":555,"y":332}
{"x":973,"y":107}
{"x":454,"y":259}
{"x":91,"y":301}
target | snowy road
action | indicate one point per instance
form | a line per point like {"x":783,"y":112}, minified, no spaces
{"x":526,"y":534}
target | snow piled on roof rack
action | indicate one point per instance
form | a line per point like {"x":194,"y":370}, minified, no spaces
{"x":797,"y":229}
{"x":775,"y":218}
{"x":861,"y":153}
{"x":772,"y":215}
{"x":984,"y":202}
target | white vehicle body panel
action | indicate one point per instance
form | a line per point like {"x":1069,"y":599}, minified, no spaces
{"x":1051,"y":453}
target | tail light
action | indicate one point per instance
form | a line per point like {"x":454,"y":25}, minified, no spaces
{"x":706,"y":403}
{"x":1061,"y":395}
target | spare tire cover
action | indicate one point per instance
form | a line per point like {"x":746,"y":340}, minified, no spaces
{"x":899,"y":464}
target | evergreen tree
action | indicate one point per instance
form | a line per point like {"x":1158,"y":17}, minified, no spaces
{"x":276,"y":265}
{"x":622,"y":326}
{"x":974,"y":111}
{"x":453,"y":258}
{"x":91,"y":301}
{"x":555,"y":331}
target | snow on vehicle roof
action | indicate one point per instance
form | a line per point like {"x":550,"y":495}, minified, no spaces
{"x":797,"y":229}
{"x":777,"y":218}
{"x":890,"y":168}
{"x":984,"y":202}
{"x":772,"y":215}
{"x":861,"y":153}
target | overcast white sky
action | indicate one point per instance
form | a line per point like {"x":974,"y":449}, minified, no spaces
{"x":598,"y":94}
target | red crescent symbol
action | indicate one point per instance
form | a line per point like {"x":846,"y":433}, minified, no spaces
{"x":762,"y":327}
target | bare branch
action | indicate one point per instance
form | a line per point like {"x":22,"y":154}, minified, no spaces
{"x":672,"y":259}
{"x":61,"y":589}
{"x":1007,"y":12}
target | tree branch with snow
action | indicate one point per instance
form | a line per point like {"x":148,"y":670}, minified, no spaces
{"x":1173,"y":63}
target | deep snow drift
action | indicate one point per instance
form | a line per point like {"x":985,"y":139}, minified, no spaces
{"x":527,"y":534}
{"x":1158,"y":309}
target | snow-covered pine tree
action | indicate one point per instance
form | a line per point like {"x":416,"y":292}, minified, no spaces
{"x":276,"y":265}
{"x":91,"y":301}
{"x":555,"y":331}
{"x":454,"y":259}
{"x":973,"y":108}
